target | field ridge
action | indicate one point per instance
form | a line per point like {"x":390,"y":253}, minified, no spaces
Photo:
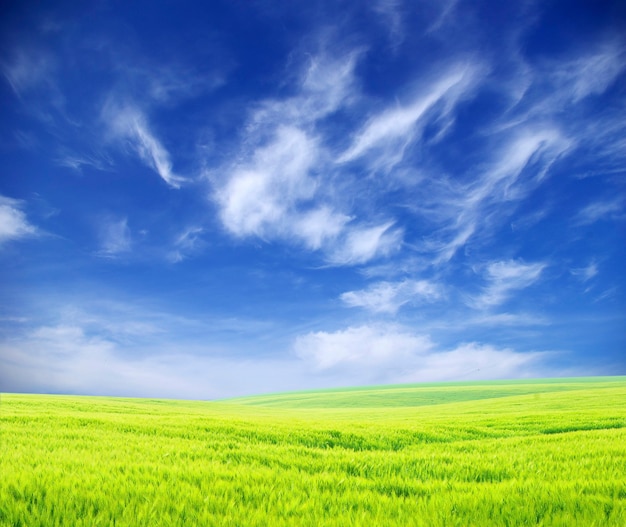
{"x":422,"y":394}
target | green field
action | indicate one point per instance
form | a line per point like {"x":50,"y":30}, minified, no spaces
{"x":541,"y":452}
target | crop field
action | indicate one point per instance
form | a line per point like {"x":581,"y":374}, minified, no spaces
{"x":541,"y":452}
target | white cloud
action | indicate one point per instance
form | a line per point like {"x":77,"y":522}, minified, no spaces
{"x":558,"y":85}
{"x":115,"y":237}
{"x":475,"y":361}
{"x":273,"y":188}
{"x":106,"y":347}
{"x":388,"y":297}
{"x":117,"y":348}
{"x":325,"y":85}
{"x":260,"y":196}
{"x":362,"y":346}
{"x":280,"y":184}
{"x":271,"y":197}
{"x":534,"y":149}
{"x":69,"y":358}
{"x":505,"y":277}
{"x":320,"y":227}
{"x":65,"y":359}
{"x":127,"y":123}
{"x":13,"y":222}
{"x":447,"y":249}
{"x":391,"y":353}
{"x":362,"y":244}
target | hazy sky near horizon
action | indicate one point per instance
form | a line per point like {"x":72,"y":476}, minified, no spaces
{"x":210,"y":199}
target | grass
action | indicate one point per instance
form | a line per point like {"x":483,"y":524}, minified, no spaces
{"x":420,"y":394}
{"x":500,"y":453}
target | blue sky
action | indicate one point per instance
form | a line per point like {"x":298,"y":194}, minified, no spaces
{"x":210,"y":199}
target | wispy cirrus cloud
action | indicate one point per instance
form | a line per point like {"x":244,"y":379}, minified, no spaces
{"x":390,"y":132}
{"x":324,"y":84}
{"x":389,"y":297}
{"x":564,"y":90}
{"x":520,"y":147}
{"x":584,"y":274}
{"x":506,"y":319}
{"x":14,"y":224}
{"x":127,"y":123}
{"x":360,"y":244}
{"x":391,"y":13}
{"x":601,"y":210}
{"x":28,"y":69}
{"x":186,"y":243}
{"x":33,"y":74}
{"x":115,"y":237}
{"x":592,"y":73}
{"x":320,"y":227}
{"x":168,"y":84}
{"x":460,"y":208}
{"x":96,"y":159}
{"x":445,"y":14}
{"x":505,"y":277}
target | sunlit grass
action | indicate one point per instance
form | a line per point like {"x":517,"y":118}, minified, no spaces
{"x":519,"y":453}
